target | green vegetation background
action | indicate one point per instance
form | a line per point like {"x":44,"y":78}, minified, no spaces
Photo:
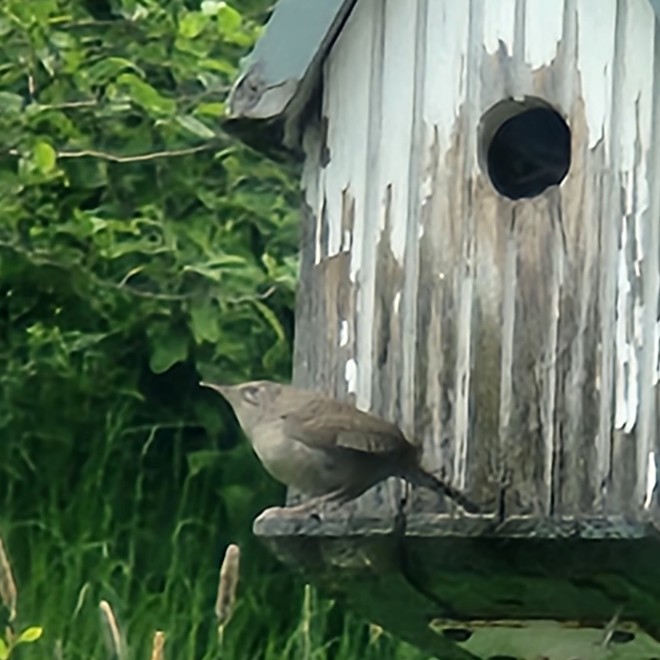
{"x":139,"y":249}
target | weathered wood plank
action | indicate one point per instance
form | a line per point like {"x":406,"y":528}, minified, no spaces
{"x":452,"y":577}
{"x":651,"y":333}
{"x":393,"y":380}
{"x":441,"y":349}
{"x":633,"y":129}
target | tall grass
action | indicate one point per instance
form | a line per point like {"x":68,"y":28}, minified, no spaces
{"x":314,"y":635}
{"x":127,"y":544}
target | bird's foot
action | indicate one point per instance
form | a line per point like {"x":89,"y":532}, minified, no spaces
{"x":311,"y":509}
{"x":293,"y":519}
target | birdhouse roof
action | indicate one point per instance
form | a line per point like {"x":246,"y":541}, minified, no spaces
{"x":279,"y":76}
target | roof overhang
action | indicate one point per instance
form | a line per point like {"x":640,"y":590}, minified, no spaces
{"x":280,"y":75}
{"x":656,"y":8}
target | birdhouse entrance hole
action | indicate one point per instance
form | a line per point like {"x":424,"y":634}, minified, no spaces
{"x":524,"y":146}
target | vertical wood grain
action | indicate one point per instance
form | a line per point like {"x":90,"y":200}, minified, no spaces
{"x":518,"y":341}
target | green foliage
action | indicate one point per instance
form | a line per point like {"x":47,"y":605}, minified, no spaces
{"x":139,"y":250}
{"x":29,"y":635}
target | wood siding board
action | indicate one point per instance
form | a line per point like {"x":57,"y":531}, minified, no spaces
{"x":650,"y":232}
{"x":363,"y":266}
{"x":467,"y":170}
{"x":390,"y":180}
{"x":441,"y":195}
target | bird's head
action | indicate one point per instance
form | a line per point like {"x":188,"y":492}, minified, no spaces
{"x":251,"y":402}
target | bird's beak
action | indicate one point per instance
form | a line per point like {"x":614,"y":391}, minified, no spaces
{"x":221,"y":389}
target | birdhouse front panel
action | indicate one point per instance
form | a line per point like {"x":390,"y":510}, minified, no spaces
{"x":481,"y":244}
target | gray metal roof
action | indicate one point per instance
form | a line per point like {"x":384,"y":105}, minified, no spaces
{"x":656,"y":7}
{"x":279,"y":75}
{"x":293,"y":38}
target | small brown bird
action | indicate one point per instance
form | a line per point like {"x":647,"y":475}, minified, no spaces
{"x":324,"y":448}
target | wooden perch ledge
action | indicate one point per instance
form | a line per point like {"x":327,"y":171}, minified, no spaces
{"x":443,"y":582}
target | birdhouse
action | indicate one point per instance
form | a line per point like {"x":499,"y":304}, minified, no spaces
{"x":480,"y":264}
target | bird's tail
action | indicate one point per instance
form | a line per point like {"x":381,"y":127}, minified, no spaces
{"x":424,"y":479}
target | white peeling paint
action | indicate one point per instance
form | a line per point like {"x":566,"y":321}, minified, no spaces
{"x":594,"y":54}
{"x":637,"y":205}
{"x":446,"y":57}
{"x":351,"y":376}
{"x":318,"y":252}
{"x":396,"y":302}
{"x":499,"y":24}
{"x":627,"y":367}
{"x":347,"y":241}
{"x":636,"y":89}
{"x":543,"y":32}
{"x":651,"y":480}
{"x":396,"y":115}
{"x":631,"y":143}
{"x":343,"y":333}
{"x":656,"y":354}
{"x":311,"y":183}
{"x":346,"y":105}
{"x":351,"y":100}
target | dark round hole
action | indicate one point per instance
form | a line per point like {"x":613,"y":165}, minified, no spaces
{"x":457,"y":634}
{"x":525,"y":147}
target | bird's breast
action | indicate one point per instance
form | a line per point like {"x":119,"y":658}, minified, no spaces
{"x":311,"y":470}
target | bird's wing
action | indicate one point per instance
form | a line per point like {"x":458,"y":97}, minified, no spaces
{"x":330,"y":423}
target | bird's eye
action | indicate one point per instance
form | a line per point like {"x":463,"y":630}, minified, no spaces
{"x":251,"y":395}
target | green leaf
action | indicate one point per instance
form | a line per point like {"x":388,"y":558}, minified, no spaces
{"x":271,"y":318}
{"x":129,"y":255}
{"x":109,"y":68}
{"x":211,"y":109}
{"x":201,"y":460}
{"x":146,"y":96}
{"x":10,"y":103}
{"x":195,"y":126}
{"x":6,"y":26}
{"x":44,"y":156}
{"x":31,"y":634}
{"x":213,"y":270}
{"x":219,"y":64}
{"x":4,"y":650}
{"x":229,"y":20}
{"x":193,"y":24}
{"x":169,"y":345}
{"x":205,"y":320}
{"x":276,"y":357}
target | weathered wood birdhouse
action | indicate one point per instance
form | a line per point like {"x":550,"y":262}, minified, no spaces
{"x":481,"y":264}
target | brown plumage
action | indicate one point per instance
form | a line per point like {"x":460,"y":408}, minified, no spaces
{"x":325,"y":448}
